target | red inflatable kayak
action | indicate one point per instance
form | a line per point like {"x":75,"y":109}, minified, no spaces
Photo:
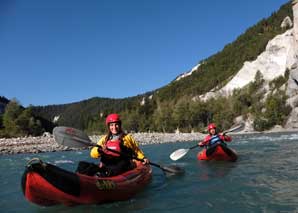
{"x":45,"y":184}
{"x":219,"y":153}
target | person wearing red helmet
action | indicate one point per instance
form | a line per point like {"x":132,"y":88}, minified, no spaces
{"x":114,"y":163}
{"x":213,"y":139}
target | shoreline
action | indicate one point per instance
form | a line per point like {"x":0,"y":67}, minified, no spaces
{"x":46,"y":143}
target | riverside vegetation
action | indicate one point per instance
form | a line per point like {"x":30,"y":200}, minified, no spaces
{"x":186,"y":116}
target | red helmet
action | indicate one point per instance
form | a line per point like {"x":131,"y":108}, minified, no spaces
{"x":211,"y":126}
{"x":113,"y":118}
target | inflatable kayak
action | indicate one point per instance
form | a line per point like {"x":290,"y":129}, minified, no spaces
{"x":219,"y":153}
{"x":46,"y":184}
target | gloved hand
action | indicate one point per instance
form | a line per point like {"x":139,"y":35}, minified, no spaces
{"x":99,"y":148}
{"x":201,"y":144}
{"x":145,"y":161}
{"x":225,"y":135}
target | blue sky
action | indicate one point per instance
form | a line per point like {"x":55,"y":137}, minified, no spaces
{"x":63,"y":51}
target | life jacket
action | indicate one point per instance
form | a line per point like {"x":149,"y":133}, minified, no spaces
{"x":214,"y":140}
{"x":113,"y":145}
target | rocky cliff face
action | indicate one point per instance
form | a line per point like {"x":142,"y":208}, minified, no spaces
{"x":292,"y":87}
{"x":280,"y":55}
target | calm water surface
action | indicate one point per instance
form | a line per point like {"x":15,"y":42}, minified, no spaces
{"x":264,"y":179}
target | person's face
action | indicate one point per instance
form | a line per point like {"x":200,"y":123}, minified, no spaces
{"x":114,"y":128}
{"x":212,"y":131}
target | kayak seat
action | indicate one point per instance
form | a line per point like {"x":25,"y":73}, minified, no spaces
{"x":66,"y":181}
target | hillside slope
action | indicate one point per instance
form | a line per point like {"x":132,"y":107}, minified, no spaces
{"x":172,"y":107}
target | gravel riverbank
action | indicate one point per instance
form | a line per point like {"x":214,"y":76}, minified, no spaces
{"x":46,"y":143}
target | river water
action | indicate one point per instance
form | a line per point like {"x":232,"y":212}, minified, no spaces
{"x":264,"y":179}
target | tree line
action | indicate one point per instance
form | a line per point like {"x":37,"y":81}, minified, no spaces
{"x":17,"y":121}
{"x":187,"y":115}
{"x":155,"y":116}
{"x":172,"y":107}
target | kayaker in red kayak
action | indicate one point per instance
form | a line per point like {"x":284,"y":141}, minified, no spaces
{"x":114,"y":163}
{"x":214,"y":139}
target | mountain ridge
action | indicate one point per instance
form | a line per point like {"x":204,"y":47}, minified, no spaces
{"x":162,"y":109}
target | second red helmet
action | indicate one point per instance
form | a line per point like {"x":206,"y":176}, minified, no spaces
{"x":113,"y":118}
{"x":211,"y":126}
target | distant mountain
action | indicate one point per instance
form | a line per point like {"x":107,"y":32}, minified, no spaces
{"x":79,"y":114}
{"x":180,"y":106}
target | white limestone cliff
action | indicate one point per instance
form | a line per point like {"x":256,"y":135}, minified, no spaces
{"x":280,"y":55}
{"x":183,"y":75}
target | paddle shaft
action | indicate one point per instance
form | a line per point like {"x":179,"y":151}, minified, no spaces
{"x":142,"y":160}
{"x":195,"y":146}
{"x":123,"y":154}
{"x":227,"y":131}
{"x":165,"y":169}
{"x":71,"y":137}
{"x":182,"y":152}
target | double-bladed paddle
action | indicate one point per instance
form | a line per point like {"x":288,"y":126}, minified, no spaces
{"x":179,"y":153}
{"x":75,"y":138}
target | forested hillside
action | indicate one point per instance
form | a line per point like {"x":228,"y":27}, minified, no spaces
{"x":172,"y":107}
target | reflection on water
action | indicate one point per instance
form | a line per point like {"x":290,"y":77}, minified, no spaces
{"x":216,"y":169}
{"x":264,"y":179}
